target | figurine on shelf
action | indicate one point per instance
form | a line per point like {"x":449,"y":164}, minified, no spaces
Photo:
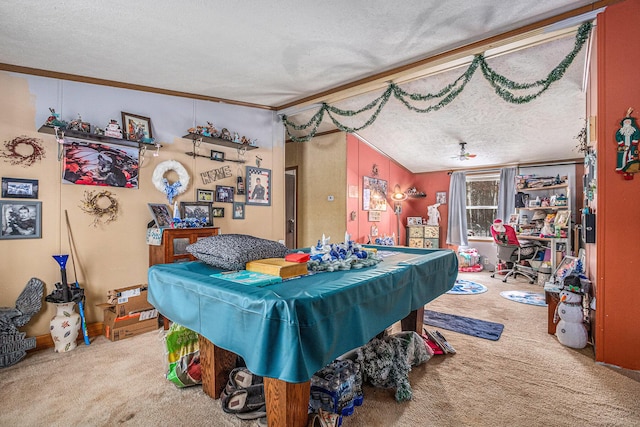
{"x":236,"y":138}
{"x":210,"y":130}
{"x":54,"y":120}
{"x":79,"y":126}
{"x":225,"y":134}
{"x":113,"y":129}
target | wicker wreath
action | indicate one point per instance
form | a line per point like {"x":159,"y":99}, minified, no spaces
{"x":90,"y":206}
{"x":11,"y":153}
{"x":162,"y":184}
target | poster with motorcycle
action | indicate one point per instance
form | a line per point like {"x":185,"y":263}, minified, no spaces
{"x":103,"y":164}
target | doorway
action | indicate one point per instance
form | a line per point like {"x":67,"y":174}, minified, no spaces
{"x":291,"y":207}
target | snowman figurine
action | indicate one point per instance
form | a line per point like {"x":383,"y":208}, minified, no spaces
{"x":571,"y":330}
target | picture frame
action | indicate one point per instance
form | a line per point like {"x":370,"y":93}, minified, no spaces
{"x":562,"y":218}
{"x":441,"y":197}
{"x":136,"y":128}
{"x":374,"y":194}
{"x":238,"y":210}
{"x":514,"y":219}
{"x":258,"y":186}
{"x":567,"y":263}
{"x":224,"y":194}
{"x":218,"y":156}
{"x":375,"y":216}
{"x":19,"y":188}
{"x":21,"y":220}
{"x":414,"y":220}
{"x":197,"y":210}
{"x":217,"y":212}
{"x":204,"y":195}
{"x":160,"y":214}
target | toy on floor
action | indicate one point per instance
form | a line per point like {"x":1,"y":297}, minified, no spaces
{"x":571,"y":330}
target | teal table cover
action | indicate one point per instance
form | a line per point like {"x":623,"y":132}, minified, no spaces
{"x":292,"y":329}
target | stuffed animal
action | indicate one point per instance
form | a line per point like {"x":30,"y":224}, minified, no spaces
{"x":571,"y":330}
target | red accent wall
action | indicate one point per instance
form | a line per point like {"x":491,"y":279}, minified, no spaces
{"x":360,"y":160}
{"x":617,"y":214}
{"x":430,"y":183}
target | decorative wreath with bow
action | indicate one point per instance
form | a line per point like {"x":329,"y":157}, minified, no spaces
{"x":162,"y":184}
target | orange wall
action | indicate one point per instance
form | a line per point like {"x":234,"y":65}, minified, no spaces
{"x":360,"y":160}
{"x":618,"y":286}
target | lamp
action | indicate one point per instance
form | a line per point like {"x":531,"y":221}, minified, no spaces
{"x":398,"y":196}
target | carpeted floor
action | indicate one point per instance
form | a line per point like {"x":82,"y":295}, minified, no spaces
{"x":524,"y":379}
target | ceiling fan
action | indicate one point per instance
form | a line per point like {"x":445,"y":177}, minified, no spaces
{"x":464,"y":154}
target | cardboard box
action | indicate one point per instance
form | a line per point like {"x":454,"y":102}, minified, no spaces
{"x":277,"y":267}
{"x":116,"y":328}
{"x":129,"y":300}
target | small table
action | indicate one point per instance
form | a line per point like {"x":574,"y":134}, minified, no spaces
{"x":287,"y":331}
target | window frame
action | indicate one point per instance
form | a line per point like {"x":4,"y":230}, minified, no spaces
{"x":475,"y":177}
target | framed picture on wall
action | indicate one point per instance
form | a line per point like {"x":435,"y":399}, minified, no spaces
{"x":441,"y":197}
{"x":197,"y":210}
{"x":160,"y":214}
{"x":217,"y":212}
{"x":204,"y":195}
{"x":136,"y":128}
{"x":21,"y":220}
{"x":238,"y":210}
{"x":224,"y":194}
{"x":258,"y":186}
{"x":374,"y":216}
{"x":374,"y":194}
{"x":18,"y":188}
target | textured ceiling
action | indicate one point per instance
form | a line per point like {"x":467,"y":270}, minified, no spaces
{"x":275,"y":53}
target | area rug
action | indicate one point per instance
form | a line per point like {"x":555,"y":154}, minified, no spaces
{"x":466,"y":287}
{"x":532,"y":298}
{"x":464,"y":325}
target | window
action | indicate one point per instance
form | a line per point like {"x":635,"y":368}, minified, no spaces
{"x":482,"y":203}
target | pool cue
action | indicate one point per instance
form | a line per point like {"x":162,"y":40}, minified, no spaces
{"x":85,"y":334}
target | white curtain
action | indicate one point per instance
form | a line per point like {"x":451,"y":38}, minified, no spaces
{"x":457,"y":218}
{"x":507,"y":193}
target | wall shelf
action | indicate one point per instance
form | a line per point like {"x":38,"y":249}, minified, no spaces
{"x":218,"y":141}
{"x":96,"y":138}
{"x":548,"y":187}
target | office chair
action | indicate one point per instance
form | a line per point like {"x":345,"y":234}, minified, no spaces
{"x":510,"y":252}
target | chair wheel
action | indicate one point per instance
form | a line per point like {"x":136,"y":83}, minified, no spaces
{"x":531,"y":282}
{"x":504,"y":280}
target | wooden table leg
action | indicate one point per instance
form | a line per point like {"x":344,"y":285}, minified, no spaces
{"x":414,"y":321}
{"x":216,"y":363}
{"x":287,"y":403}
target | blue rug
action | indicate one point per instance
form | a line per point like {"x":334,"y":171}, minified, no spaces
{"x":532,"y":298}
{"x":466,"y":287}
{"x":464,"y":325}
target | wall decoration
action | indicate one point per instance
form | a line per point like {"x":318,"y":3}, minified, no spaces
{"x":441,"y":197}
{"x":259,"y":186}
{"x":137,"y":128}
{"x":18,"y":188}
{"x":627,"y":137}
{"x":204,"y":195}
{"x":215,"y":174}
{"x":90,"y":163}
{"x":238,"y":210}
{"x":196,"y":211}
{"x":162,"y":184}
{"x":14,"y":153}
{"x":353,"y":191}
{"x":217,"y":156}
{"x":217,"y":212}
{"x":224,"y":194}
{"x":374,"y":194}
{"x":374,"y":216}
{"x":160,"y":214}
{"x":100,"y":204}
{"x":22,"y":220}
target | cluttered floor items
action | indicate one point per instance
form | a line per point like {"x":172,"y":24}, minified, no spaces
{"x":336,"y":389}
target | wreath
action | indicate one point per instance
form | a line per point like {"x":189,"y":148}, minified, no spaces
{"x":162,"y":184}
{"x":90,"y":205}
{"x":11,"y":153}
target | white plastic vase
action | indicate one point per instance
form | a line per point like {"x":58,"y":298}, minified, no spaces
{"x":64,"y":327}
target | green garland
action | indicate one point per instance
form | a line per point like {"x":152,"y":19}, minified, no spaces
{"x":501,"y":84}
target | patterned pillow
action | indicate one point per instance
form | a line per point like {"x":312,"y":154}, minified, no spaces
{"x":233,"y":251}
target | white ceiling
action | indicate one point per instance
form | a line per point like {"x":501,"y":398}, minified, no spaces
{"x":276,"y":53}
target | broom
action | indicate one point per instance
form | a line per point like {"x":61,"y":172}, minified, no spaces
{"x":85,"y":334}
